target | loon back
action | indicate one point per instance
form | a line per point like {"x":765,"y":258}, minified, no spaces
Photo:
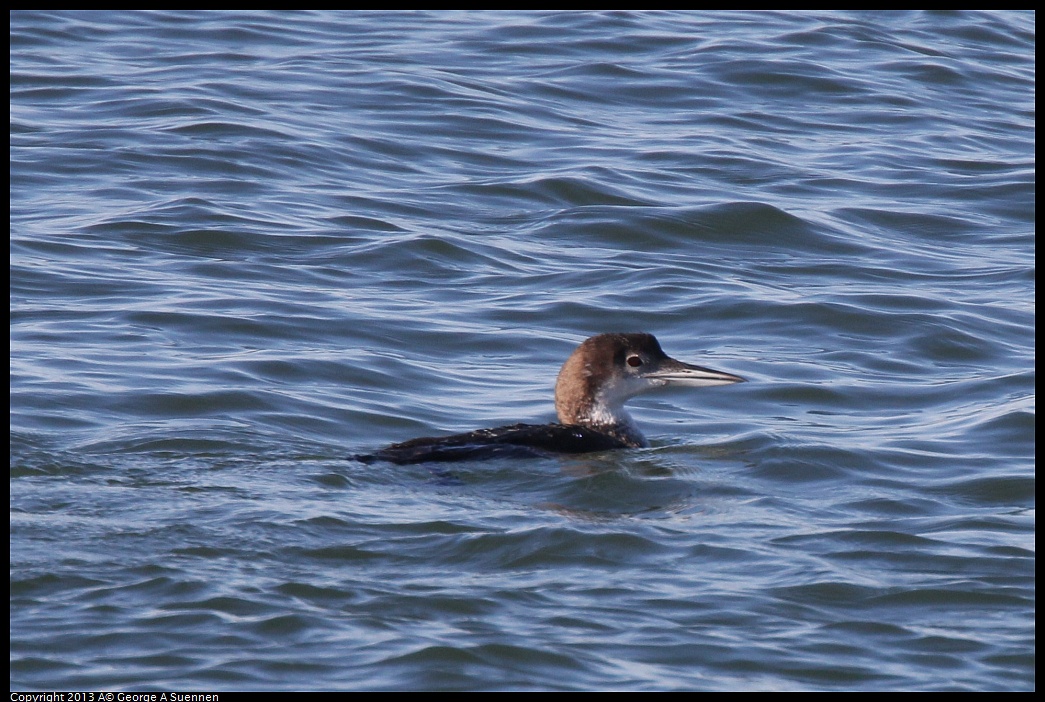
{"x":515,"y":441}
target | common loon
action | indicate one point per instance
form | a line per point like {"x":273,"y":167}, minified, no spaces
{"x":597,"y":379}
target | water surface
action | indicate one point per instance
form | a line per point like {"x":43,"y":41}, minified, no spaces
{"x":245,"y":246}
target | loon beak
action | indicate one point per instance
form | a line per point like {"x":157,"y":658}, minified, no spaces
{"x":672,"y":372}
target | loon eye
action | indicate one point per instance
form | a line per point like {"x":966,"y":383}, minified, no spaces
{"x":634,"y":361}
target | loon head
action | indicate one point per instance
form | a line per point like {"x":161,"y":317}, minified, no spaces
{"x":607,"y":370}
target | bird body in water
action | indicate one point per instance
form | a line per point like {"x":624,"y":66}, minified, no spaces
{"x":597,"y":379}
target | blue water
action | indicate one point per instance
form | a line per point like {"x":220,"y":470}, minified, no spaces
{"x":246,"y":246}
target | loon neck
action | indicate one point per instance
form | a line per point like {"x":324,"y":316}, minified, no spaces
{"x":617,"y":424}
{"x":608,"y":417}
